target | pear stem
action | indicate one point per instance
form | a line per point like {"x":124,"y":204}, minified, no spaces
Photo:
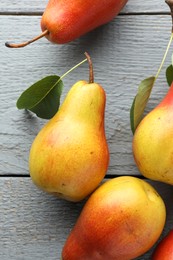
{"x":20,"y":45}
{"x":164,"y":57}
{"x":91,"y":72}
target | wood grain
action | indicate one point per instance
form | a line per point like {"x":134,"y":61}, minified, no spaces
{"x":38,"y":6}
{"x":35,"y":225}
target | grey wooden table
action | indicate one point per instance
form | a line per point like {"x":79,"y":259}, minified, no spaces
{"x":34,"y":225}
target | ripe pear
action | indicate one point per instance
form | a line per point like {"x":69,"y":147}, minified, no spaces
{"x":153,"y":142}
{"x":65,"y":20}
{"x":164,"y":250}
{"x":121,"y":220}
{"x":70,"y":156}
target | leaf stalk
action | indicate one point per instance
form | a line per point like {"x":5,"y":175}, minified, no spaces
{"x":77,"y":65}
{"x":164,"y":57}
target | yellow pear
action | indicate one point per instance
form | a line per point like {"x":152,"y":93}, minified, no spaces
{"x":69,"y":157}
{"x":153,"y":142}
{"x":121,"y":220}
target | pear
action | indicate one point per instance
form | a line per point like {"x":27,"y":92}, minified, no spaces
{"x":153,"y":142}
{"x":65,"y":20}
{"x":164,"y":249}
{"x":121,"y":220}
{"x":69,"y":157}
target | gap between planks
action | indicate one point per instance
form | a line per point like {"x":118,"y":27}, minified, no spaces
{"x":108,"y":176}
{"x":25,"y":13}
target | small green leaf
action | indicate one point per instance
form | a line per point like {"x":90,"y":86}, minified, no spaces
{"x":169,"y":74}
{"x":43,"y":97}
{"x":140,"y":101}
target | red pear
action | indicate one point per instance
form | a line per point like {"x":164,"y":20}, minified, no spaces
{"x":164,"y":250}
{"x":65,"y":20}
{"x":121,"y":220}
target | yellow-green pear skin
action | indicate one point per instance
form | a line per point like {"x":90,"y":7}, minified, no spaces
{"x":70,"y":156}
{"x":121,"y":220}
{"x":153,"y":142}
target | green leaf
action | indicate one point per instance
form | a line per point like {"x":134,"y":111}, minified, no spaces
{"x":140,"y":101}
{"x":49,"y":105}
{"x":43,"y":97}
{"x":169,"y":74}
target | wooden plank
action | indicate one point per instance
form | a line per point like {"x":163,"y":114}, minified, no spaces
{"x":124,"y":52}
{"x":7,"y":6}
{"x":34,"y":225}
{"x":37,"y":6}
{"x":135,"y":6}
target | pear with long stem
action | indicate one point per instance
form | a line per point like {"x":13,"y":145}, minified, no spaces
{"x":65,"y":20}
{"x":70,"y":156}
